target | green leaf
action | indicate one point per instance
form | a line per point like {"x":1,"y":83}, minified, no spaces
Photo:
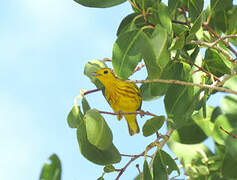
{"x":127,"y":24}
{"x":232,"y":21}
{"x":231,"y":83}
{"x":109,"y":168}
{"x":219,"y":21}
{"x":158,"y":45}
{"x":153,"y":125}
{"x":198,"y":128}
{"x":159,"y":168}
{"x":127,"y":53}
{"x":93,"y":154}
{"x":227,"y":168}
{"x":163,"y":165}
{"x":195,"y":27}
{"x":164,"y":18}
{"x":230,"y":159}
{"x":150,"y":91}
{"x":228,"y":122}
{"x":173,"y":5}
{"x":231,"y":144}
{"x":98,"y":132}
{"x":100,"y":3}
{"x":85,"y":105}
{"x":93,"y":66}
{"x":195,"y":8}
{"x":180,"y":102}
{"x":178,"y":42}
{"x":146,"y":171}
{"x":75,"y":117}
{"x":216,"y":63}
{"x":229,"y":105}
{"x":53,"y":170}
{"x":188,"y":153}
{"x":220,"y":5}
{"x":169,"y":162}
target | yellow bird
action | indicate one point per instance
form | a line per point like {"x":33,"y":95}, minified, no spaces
{"x":122,"y":96}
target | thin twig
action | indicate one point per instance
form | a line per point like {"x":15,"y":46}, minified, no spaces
{"x":139,"y":171}
{"x":184,"y":83}
{"x":141,"y":113}
{"x":203,"y":70}
{"x":128,"y":155}
{"x":129,"y":162}
{"x":232,"y":135}
{"x":224,"y":37}
{"x":91,"y":91}
{"x":210,"y":45}
{"x":107,"y":59}
{"x":179,"y":22}
{"x":139,"y":67}
{"x":211,"y":31}
{"x":161,"y":144}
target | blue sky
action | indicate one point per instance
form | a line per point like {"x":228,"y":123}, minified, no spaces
{"x":44,"y":47}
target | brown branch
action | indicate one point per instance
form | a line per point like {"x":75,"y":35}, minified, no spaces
{"x":91,"y":91}
{"x":179,"y":22}
{"x":184,"y":83}
{"x":141,"y":113}
{"x":211,"y":31}
{"x":139,"y":67}
{"x":107,"y":59}
{"x":203,"y":70}
{"x":210,"y":45}
{"x":232,"y":135}
{"x":128,"y":155}
{"x":161,"y":144}
{"x":129,"y":162}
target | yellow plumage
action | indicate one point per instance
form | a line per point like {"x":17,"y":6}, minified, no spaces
{"x":122,"y":97}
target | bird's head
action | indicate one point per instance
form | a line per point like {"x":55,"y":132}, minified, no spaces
{"x":104,"y":75}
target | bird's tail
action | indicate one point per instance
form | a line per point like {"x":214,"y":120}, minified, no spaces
{"x":132,"y":124}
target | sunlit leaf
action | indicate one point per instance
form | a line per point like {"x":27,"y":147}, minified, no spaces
{"x":93,"y":66}
{"x":109,"y":168}
{"x":53,"y":170}
{"x":75,"y":117}
{"x":97,"y":130}
{"x":93,"y":154}
{"x":85,"y":105}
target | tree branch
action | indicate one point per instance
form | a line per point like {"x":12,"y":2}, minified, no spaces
{"x":210,"y":45}
{"x":184,"y":83}
{"x":161,"y":144}
{"x":232,"y":135}
{"x":203,"y":70}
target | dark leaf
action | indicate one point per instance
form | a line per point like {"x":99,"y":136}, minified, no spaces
{"x":100,"y":3}
{"x":153,"y":125}
{"x":127,"y":53}
{"x":146,"y":171}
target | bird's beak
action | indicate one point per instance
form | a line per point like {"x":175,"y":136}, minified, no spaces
{"x":94,"y":74}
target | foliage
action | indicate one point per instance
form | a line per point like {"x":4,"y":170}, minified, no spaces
{"x":189,"y":47}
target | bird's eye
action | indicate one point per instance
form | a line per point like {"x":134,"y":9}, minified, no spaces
{"x":106,"y":72}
